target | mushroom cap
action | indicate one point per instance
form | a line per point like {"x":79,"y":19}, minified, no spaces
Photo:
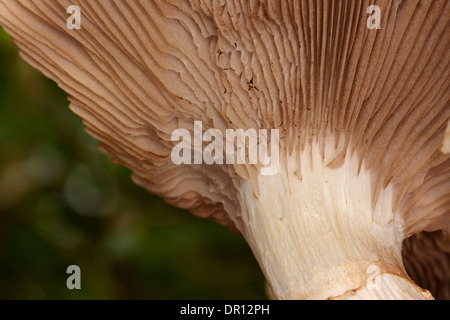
{"x":138,"y":70}
{"x":426,"y":256}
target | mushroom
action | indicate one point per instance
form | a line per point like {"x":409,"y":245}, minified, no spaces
{"x":446,"y":143}
{"x":426,"y":256}
{"x":361,"y":114}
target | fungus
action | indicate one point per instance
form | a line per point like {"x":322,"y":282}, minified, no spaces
{"x":446,"y":143}
{"x":361,"y":114}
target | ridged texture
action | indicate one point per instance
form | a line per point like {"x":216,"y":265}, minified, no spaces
{"x":137,"y":70}
{"x":427,"y":260}
{"x":446,"y":144}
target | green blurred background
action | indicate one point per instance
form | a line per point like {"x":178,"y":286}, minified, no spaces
{"x":62,"y":203}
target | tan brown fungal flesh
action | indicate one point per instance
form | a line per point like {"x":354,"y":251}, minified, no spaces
{"x":361,"y":112}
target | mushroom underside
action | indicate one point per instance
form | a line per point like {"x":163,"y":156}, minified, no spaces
{"x":363,"y":151}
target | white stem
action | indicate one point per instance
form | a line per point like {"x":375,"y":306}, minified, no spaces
{"x":319,"y":237}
